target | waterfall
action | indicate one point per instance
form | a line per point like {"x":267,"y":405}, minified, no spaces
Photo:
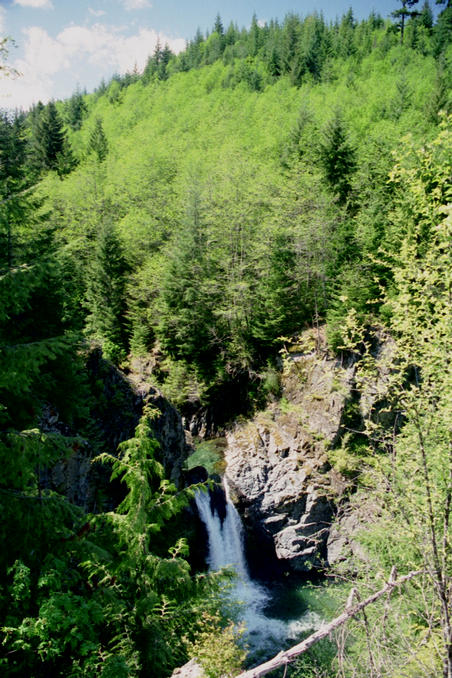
{"x":226,"y":549}
{"x":225,"y":538}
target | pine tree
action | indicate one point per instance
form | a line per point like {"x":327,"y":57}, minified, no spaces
{"x":440,"y":99}
{"x":425,"y":17}
{"x":254,"y":37}
{"x":165,"y":57}
{"x":274,"y":62}
{"x":403,"y":13}
{"x":290,"y":42}
{"x":35,"y":354}
{"x":186,"y":306}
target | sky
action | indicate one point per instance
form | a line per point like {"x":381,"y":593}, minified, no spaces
{"x":64,"y":44}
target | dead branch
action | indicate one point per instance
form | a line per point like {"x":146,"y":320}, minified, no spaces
{"x":287,"y":656}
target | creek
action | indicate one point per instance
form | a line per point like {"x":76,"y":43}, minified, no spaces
{"x":275,"y":615}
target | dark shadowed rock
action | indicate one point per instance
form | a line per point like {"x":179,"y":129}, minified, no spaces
{"x":118,"y":401}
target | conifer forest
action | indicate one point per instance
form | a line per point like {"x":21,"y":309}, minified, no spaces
{"x":175,"y":248}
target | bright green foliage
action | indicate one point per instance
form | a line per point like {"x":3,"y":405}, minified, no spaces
{"x":98,"y":143}
{"x":217,"y":649}
{"x":270,"y":249}
{"x":232,"y":204}
{"x":111,"y":597}
{"x":411,"y":468}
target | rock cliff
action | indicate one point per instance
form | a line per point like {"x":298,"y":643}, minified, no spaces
{"x":277,"y":463}
{"x":117,"y":406}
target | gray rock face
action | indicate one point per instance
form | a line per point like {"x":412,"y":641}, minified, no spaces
{"x":343,"y":546}
{"x":170,"y":433}
{"x":277,"y":463}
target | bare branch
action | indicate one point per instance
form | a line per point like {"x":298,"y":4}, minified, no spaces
{"x":292,"y":653}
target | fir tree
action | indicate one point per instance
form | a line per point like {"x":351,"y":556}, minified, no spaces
{"x":76,"y":110}
{"x":337,"y":157}
{"x":105,"y":293}
{"x":218,"y":26}
{"x":50,"y":146}
{"x":98,"y":143}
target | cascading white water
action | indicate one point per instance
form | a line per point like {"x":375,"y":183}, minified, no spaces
{"x":225,"y":539}
{"x":226,"y":549}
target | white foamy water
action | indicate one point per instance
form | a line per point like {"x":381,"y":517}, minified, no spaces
{"x":226,"y":549}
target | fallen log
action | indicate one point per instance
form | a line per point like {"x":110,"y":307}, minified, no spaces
{"x":287,"y":656}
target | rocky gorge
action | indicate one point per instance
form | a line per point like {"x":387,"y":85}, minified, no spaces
{"x":277,"y":463}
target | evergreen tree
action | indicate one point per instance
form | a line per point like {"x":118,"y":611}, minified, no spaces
{"x":187,"y":304}
{"x":441,"y":99}
{"x":345,"y":45}
{"x":403,"y":13}
{"x":194,"y":50}
{"x":425,"y":17}
{"x":105,"y":293}
{"x":76,"y":110}
{"x":98,"y":143}
{"x":37,"y":359}
{"x":254,"y":37}
{"x":312,"y":46}
{"x":165,"y":57}
{"x":337,"y":157}
{"x":50,"y":146}
{"x":274,"y":62}
{"x":218,"y":26}
{"x":290,"y":41}
{"x":443,"y":31}
{"x":232,"y":35}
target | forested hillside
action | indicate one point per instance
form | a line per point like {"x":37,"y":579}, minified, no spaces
{"x":200,"y":216}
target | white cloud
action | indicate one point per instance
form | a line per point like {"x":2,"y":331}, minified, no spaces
{"x":51,"y":67}
{"x":96,"y":12}
{"x":36,"y":4}
{"x":136,"y":4}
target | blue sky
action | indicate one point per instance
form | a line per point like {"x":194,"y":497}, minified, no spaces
{"x":64,"y":43}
